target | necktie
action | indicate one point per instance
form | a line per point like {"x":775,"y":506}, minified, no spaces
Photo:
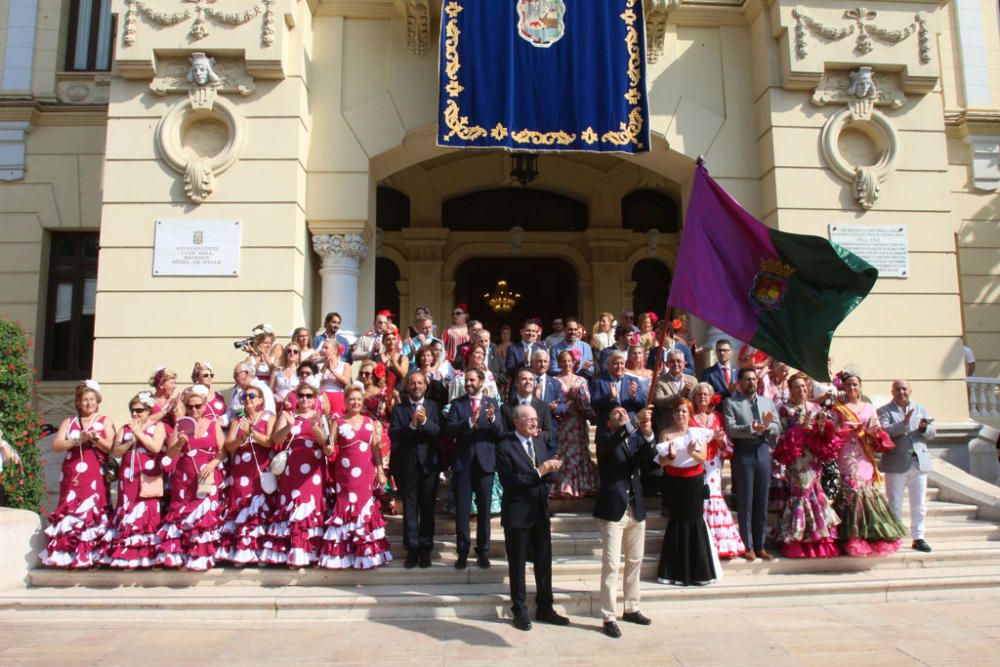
{"x":475,"y":404}
{"x":530,"y":448}
{"x":755,"y":410}
{"x":725,"y":373}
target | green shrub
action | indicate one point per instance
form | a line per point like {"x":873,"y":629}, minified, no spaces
{"x":19,"y":424}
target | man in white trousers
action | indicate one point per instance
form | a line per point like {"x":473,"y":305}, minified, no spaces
{"x":906,"y":466}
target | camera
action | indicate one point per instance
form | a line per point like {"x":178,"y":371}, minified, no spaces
{"x":243,"y":342}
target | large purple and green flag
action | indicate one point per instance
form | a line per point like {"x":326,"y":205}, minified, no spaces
{"x":782,"y":293}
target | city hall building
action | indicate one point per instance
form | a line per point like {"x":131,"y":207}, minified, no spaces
{"x":174,"y":172}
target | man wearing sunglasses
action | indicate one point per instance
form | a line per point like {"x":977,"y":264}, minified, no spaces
{"x":245,"y":378}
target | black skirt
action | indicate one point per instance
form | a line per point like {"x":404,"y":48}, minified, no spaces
{"x":686,"y":556}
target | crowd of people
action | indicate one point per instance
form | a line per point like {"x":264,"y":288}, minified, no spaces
{"x":303,"y":460}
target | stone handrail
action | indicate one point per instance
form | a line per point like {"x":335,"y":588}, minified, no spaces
{"x":983,"y":397}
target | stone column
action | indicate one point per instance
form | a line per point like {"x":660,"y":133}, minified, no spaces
{"x":342,"y":255}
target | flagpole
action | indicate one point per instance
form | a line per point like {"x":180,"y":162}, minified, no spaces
{"x":658,"y":366}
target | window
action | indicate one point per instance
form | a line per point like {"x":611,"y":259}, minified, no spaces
{"x":499,"y":210}
{"x":69,"y":321}
{"x":392,"y":209}
{"x":643,"y":210}
{"x":91,"y":35}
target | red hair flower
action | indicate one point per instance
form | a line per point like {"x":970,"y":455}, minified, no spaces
{"x":715,"y":400}
{"x":379,"y":371}
{"x":676,"y":324}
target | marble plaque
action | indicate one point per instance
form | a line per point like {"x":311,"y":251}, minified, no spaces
{"x":196,"y":248}
{"x":882,"y":246}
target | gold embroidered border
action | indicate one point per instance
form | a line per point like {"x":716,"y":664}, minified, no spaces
{"x":627,"y":133}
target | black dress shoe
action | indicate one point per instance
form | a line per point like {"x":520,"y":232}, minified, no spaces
{"x":551,"y":617}
{"x":462,"y":562}
{"x":522,"y":623}
{"x":483,"y":561}
{"x":425,"y":559}
{"x":920,"y":545}
{"x":411,"y":559}
{"x":612,"y":630}
{"x":636,"y":617}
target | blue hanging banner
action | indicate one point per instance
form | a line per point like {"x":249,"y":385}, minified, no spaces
{"x":543,"y":75}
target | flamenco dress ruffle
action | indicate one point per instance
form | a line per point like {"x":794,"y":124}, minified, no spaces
{"x":189,"y":536}
{"x":248,"y":508}
{"x":132,"y":540}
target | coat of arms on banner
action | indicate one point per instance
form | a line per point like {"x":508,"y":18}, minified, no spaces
{"x":771,"y":283}
{"x":540,"y":22}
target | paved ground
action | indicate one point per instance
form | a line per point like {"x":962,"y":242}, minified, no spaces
{"x":849,"y":635}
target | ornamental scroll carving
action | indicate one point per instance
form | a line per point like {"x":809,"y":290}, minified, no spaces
{"x":861,"y":91}
{"x":202,"y":136}
{"x":418,"y":26}
{"x":204,"y":13}
{"x":343,"y":251}
{"x":861,"y":24}
{"x":656,"y":12}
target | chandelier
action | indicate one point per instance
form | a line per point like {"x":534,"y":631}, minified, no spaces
{"x":502,"y":300}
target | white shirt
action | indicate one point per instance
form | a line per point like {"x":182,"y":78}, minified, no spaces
{"x":524,"y":446}
{"x":683,"y":457}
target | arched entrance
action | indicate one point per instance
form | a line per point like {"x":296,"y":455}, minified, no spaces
{"x":548,"y":288}
{"x":652,"y":286}
{"x":386,"y":289}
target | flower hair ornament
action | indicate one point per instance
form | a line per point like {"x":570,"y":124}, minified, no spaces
{"x":715,"y":400}
{"x":379,"y":371}
{"x":91,"y":385}
{"x":262,"y":329}
{"x":157,"y":377}
{"x":676,"y":324}
{"x":635,"y":338}
{"x":146,"y":398}
{"x":358,"y":384}
{"x":313,"y":381}
{"x":199,"y":390}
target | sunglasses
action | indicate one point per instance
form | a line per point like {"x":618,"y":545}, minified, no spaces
{"x":364,"y":374}
{"x":306,"y":395}
{"x":137,"y":410}
{"x":194,"y":406}
{"x":207,"y":375}
{"x":250,"y":395}
{"x":293,"y":351}
{"x":459,"y":312}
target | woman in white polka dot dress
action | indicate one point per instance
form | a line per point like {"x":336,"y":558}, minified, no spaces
{"x":355,"y":533}
{"x":131,"y":541}
{"x":295,"y":534}
{"x":77,"y":526}
{"x":189,"y":536}
{"x":247,"y":504}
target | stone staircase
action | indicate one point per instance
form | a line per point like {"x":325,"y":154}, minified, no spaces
{"x":965,"y":562}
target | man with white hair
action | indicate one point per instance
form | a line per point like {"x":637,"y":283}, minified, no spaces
{"x":245,"y":378}
{"x":907,"y":464}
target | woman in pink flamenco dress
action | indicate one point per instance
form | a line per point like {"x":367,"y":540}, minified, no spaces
{"x":868,"y":526}
{"x":718,"y":516}
{"x":131,"y":541}
{"x":355,"y":533}
{"x":189,"y":536}
{"x":248,"y":508}
{"x":807,"y":526}
{"x":77,"y":526}
{"x":294,"y":537}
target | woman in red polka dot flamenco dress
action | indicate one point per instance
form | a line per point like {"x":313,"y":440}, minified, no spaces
{"x":355,"y":534}
{"x":295,"y":534}
{"x":77,"y":526}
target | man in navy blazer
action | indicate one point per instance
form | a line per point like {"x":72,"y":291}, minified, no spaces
{"x":620,"y":511}
{"x":722,"y":374}
{"x":525,"y":461}
{"x":548,"y":389}
{"x":615,"y":390}
{"x":524,"y":394}
{"x":414,"y":427}
{"x":519,"y":354}
{"x":474,"y":421}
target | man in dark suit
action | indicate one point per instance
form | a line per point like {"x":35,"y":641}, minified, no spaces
{"x":524,"y":394}
{"x":615,"y":390}
{"x":524,"y":460}
{"x":414,"y":426}
{"x":722,"y":374}
{"x":623,"y":334}
{"x":474,"y":422}
{"x":547,"y":389}
{"x":494,"y":363}
{"x":519,"y":354}
{"x":620,"y":511}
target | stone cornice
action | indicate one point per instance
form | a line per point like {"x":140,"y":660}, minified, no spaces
{"x":979,"y":122}
{"x":357,"y":9}
{"x":54,"y":114}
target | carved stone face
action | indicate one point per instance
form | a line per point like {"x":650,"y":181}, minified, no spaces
{"x":199,"y":73}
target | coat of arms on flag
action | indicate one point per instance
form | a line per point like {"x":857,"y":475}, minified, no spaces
{"x":543,"y":75}
{"x":541,"y":21}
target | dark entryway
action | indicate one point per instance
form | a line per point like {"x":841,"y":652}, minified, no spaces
{"x":652,"y":286}
{"x":548,"y":289}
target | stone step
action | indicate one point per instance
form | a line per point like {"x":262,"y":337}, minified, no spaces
{"x":486,"y":599}
{"x":565,"y":569}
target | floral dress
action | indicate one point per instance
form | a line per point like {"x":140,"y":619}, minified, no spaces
{"x":355,"y":533}
{"x":247,"y":505}
{"x":578,"y":477}
{"x":189,"y":536}
{"x":723,"y":530}
{"x":377,"y":407}
{"x":132,"y":540}
{"x":869,"y":527}
{"x":77,"y":526}
{"x":294,"y":536}
{"x":807,"y":526}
